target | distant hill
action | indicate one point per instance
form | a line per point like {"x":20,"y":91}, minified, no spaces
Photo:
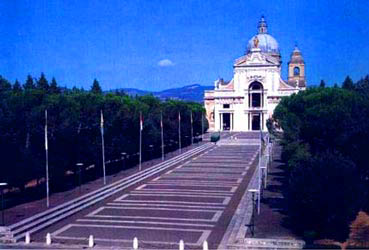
{"x":194,"y":92}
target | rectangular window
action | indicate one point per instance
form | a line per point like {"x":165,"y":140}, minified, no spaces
{"x":256,"y":100}
{"x":226,"y":106}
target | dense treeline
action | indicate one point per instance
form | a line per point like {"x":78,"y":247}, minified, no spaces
{"x":325,"y":146}
{"x":74,"y":130}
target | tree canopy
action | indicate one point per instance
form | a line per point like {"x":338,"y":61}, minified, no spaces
{"x":95,"y":88}
{"x":74,"y":129}
{"x":325,"y":136}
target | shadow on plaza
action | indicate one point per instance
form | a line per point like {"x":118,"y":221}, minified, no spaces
{"x":273,"y":222}
{"x":20,"y":203}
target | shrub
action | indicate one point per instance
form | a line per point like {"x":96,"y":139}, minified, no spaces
{"x":324,"y":195}
{"x":215,"y":137}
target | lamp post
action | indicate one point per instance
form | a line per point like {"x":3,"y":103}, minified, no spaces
{"x":2,"y":186}
{"x":123,"y":154}
{"x":79,"y":171}
{"x":252,"y":225}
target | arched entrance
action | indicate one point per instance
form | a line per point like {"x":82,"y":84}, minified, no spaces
{"x":256,"y":105}
{"x":256,"y":95}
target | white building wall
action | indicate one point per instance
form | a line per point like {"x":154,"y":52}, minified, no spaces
{"x":244,"y":74}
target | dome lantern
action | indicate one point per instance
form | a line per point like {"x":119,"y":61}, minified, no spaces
{"x":262,"y":27}
{"x":265,"y":42}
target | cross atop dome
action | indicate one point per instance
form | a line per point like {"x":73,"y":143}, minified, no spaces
{"x":265,"y":42}
{"x":262,"y":27}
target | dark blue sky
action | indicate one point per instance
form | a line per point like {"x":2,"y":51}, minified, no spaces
{"x":159,"y":44}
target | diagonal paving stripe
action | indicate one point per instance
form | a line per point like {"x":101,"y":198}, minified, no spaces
{"x":149,"y":205}
{"x":55,"y":214}
{"x":145,"y":222}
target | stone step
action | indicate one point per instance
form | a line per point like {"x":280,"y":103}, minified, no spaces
{"x":270,"y":244}
{"x":5,"y":231}
{"x":6,"y":236}
{"x":41,"y":220}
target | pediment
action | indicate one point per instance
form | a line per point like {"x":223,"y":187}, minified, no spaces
{"x":255,"y":59}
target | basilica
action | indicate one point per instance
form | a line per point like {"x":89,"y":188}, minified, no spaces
{"x":249,"y":99}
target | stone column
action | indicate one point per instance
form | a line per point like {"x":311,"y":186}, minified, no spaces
{"x":231,"y":122}
{"x":216,"y":120}
{"x":221,"y":121}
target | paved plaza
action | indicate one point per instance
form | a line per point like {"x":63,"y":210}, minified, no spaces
{"x":193,"y":201}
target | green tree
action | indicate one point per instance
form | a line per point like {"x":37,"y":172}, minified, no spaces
{"x":348,"y":84}
{"x":74,"y":134}
{"x":362,"y":86}
{"x":17,"y":87}
{"x":42,"y":83}
{"x":318,"y":187}
{"x":4,"y":84}
{"x":54,"y":88}
{"x":324,"y":136}
{"x":29,"y":83}
{"x":322,"y":84}
{"x":96,"y":89}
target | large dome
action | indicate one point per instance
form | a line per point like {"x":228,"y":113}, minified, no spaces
{"x":265,"y":42}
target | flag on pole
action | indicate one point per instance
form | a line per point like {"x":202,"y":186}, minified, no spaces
{"x":162,"y":136}
{"x":47,"y":163}
{"x":141,"y":122}
{"x":102,"y":145}
{"x":191,"y":129}
{"x":179,"y":132}
{"x":140,"y":152}
{"x":202,"y":126}
{"x":46,"y":144}
{"x":102,"y":122}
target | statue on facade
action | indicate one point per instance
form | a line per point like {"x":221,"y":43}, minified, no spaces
{"x":256,"y":42}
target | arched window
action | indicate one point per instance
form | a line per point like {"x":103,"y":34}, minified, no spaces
{"x":296,"y":71}
{"x":255,"y":86}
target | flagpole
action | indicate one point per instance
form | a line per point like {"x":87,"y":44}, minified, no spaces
{"x":191,"y":129}
{"x":103,"y":145}
{"x":141,"y":127}
{"x":162,"y":136}
{"x":47,"y":163}
{"x":179,"y":132}
{"x":202,"y":126}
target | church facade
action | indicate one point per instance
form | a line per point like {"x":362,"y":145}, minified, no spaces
{"x":249,"y":99}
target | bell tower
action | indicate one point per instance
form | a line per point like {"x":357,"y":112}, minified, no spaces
{"x":296,"y":69}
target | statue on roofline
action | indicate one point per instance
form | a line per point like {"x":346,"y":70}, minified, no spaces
{"x":256,"y":42}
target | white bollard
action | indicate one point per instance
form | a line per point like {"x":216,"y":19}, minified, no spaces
{"x":205,"y":245}
{"x":48,"y":239}
{"x":91,"y":242}
{"x":181,"y":245}
{"x":135,"y":243}
{"x":28,"y":238}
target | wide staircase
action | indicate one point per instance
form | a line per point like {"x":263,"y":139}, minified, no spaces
{"x":16,"y":232}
